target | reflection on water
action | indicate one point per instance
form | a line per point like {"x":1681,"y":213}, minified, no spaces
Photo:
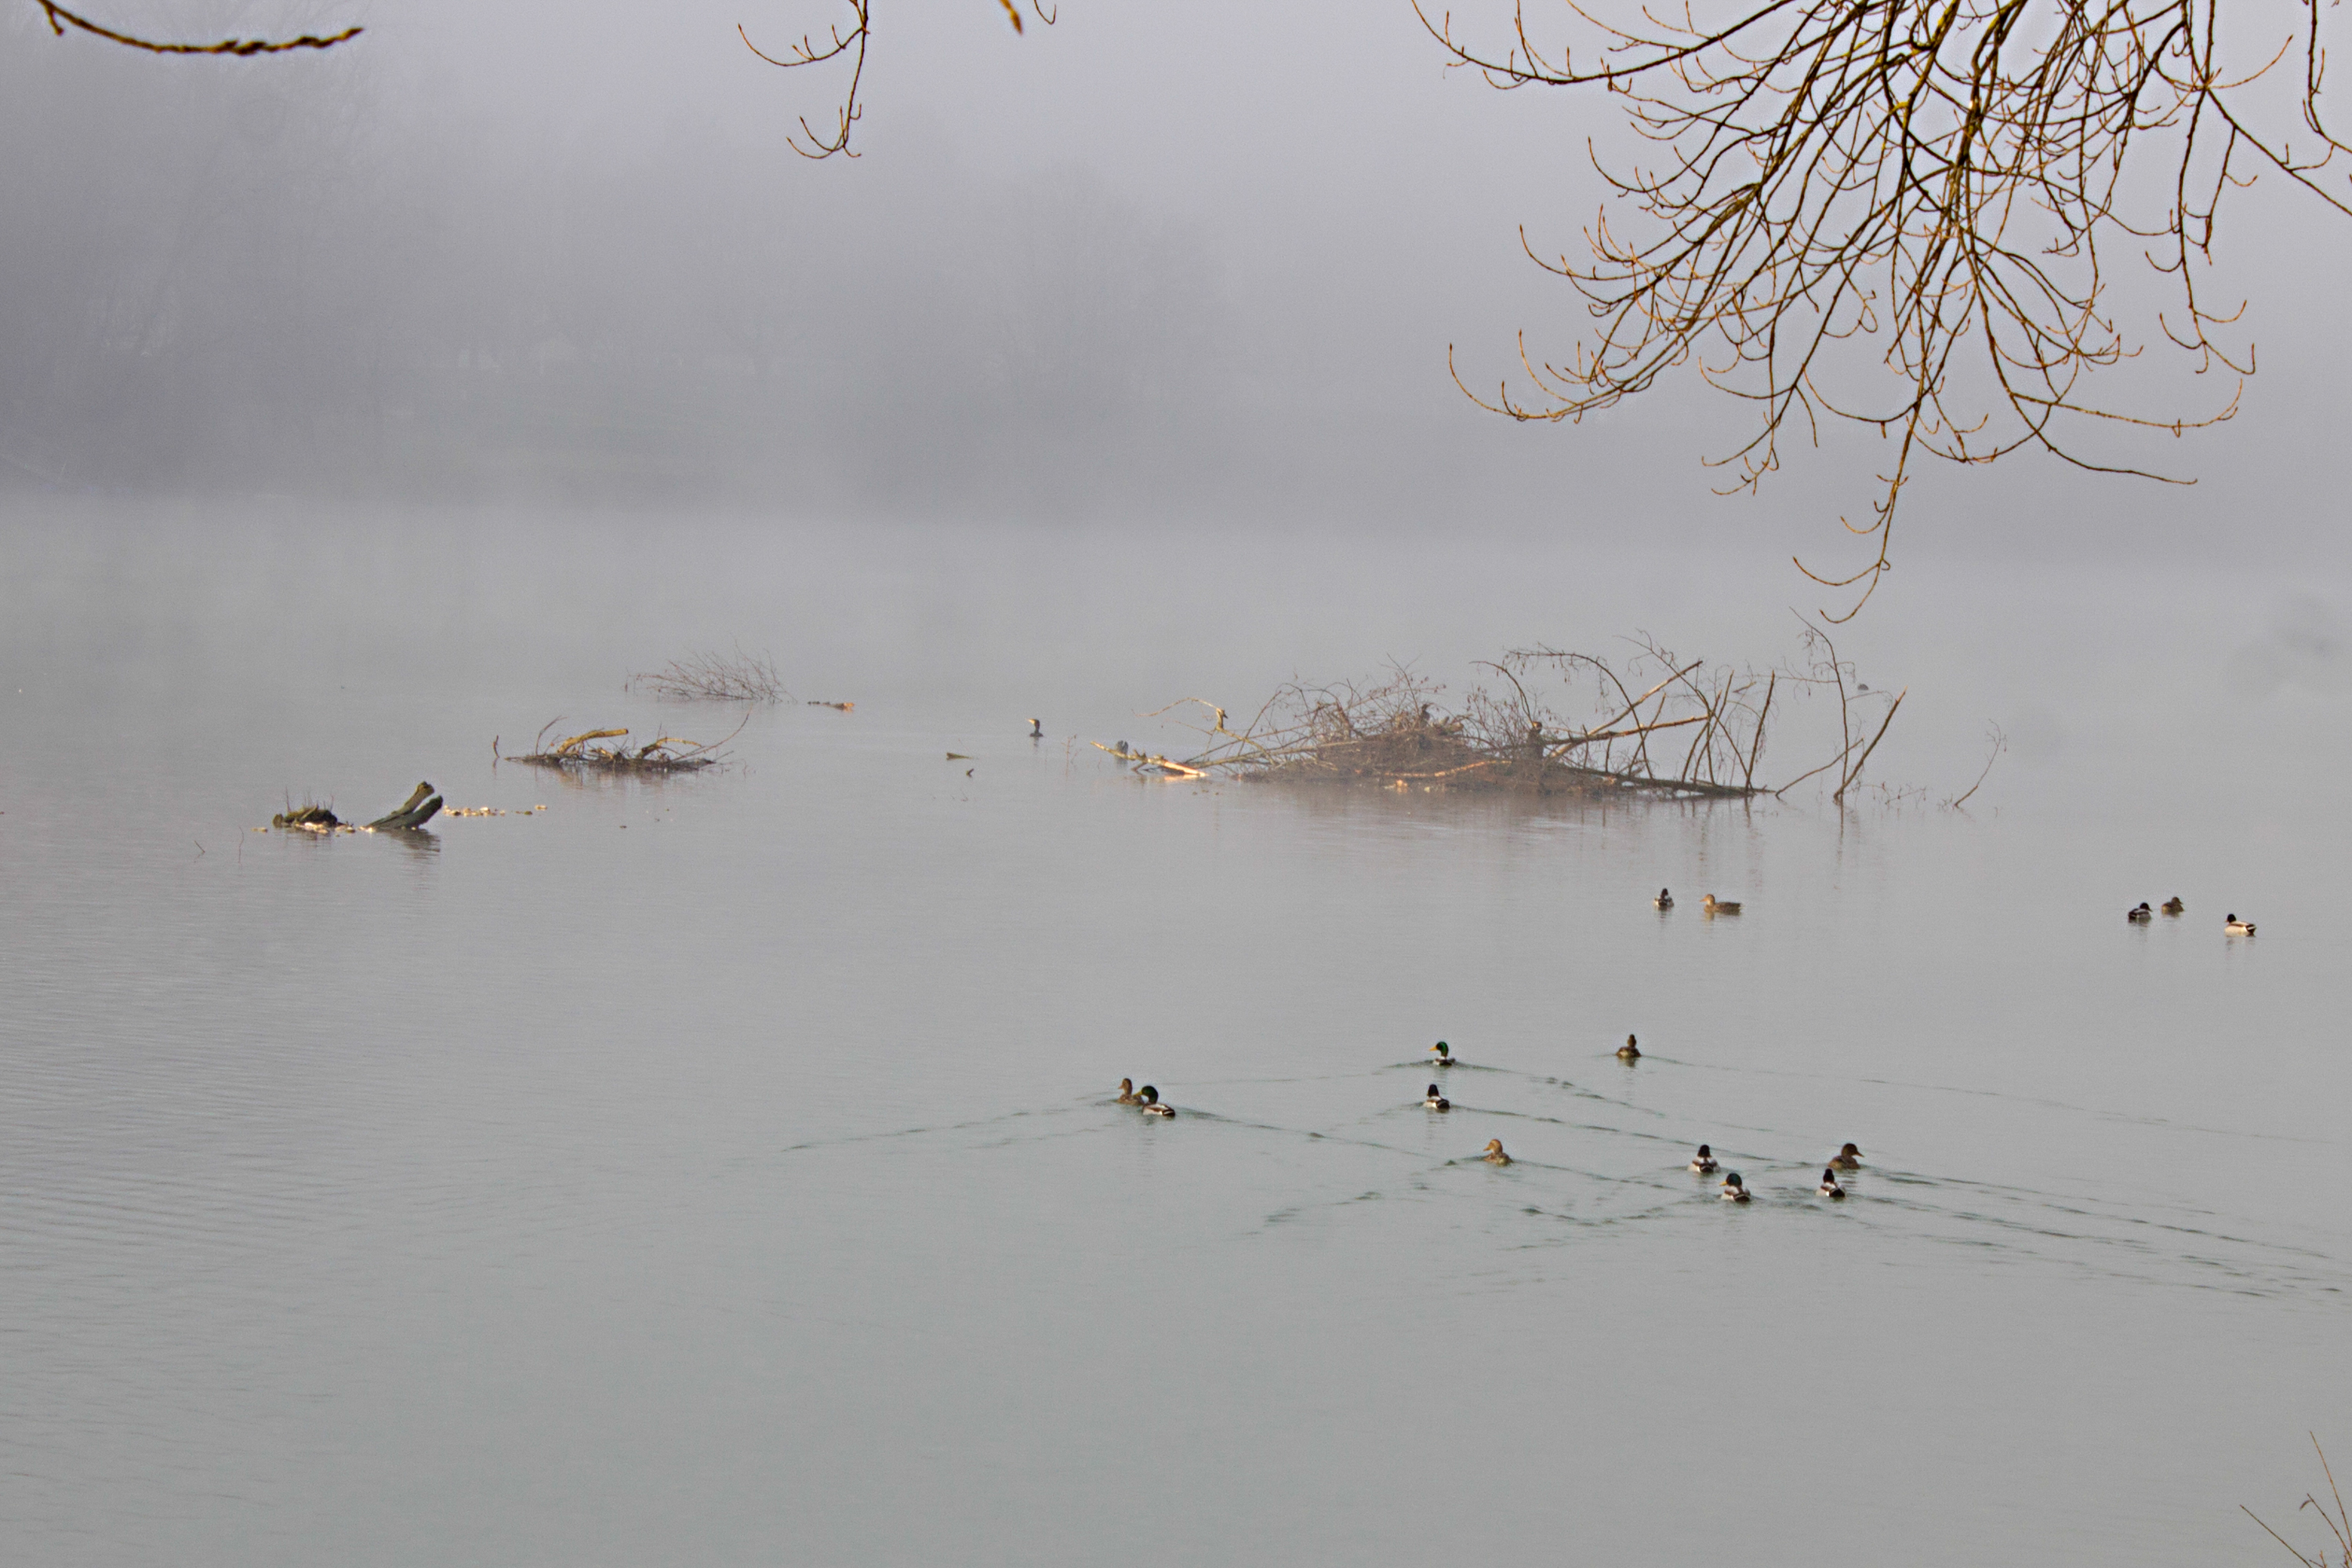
{"x":724,"y":1168}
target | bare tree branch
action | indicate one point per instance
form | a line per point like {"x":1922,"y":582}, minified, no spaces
{"x":1891,"y":212}
{"x":61,"y":19}
{"x":809,"y":52}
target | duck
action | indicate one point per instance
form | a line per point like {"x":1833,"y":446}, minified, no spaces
{"x":2173,"y":906}
{"x":1703,"y":1162}
{"x":1495,"y":1155}
{"x":1441,"y":1054}
{"x":1036,"y":728}
{"x":2140,"y":915}
{"x":1829,"y":1187}
{"x":1665,"y":901}
{"x":1715,"y":905}
{"x":1438,"y":1101}
{"x":1630,"y":1051}
{"x":1127,"y":1095}
{"x":1847,"y":1159}
{"x":1735,"y":1191}
{"x":1148,"y":1098}
{"x":2237,"y":927}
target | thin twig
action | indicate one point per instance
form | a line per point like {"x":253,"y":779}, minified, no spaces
{"x":1865,"y":759}
{"x":1747,"y":778}
{"x":1999,"y":744}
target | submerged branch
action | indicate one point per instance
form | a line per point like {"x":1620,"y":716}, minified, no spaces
{"x":663,"y":754}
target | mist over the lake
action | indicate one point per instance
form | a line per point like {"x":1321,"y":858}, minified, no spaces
{"x":1129,"y":269}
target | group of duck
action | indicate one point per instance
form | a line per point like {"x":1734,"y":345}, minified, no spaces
{"x":1703,"y":1163}
{"x":1146,"y":1100}
{"x":2139,"y":914}
{"x":1734,"y":1190}
{"x":1710,"y":904}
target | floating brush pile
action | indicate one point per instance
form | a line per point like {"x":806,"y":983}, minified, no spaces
{"x":663,"y":754}
{"x":1659,"y":725}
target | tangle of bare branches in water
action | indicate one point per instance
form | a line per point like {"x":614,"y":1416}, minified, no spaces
{"x":1692,"y":729}
{"x":714,"y":677}
{"x":662,"y":755}
{"x":61,"y":19}
{"x":1931,"y":178}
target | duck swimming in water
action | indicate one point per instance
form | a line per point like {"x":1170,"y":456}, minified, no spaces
{"x":1715,"y":905}
{"x":2237,"y":927}
{"x":1036,"y":728}
{"x":1127,"y":1095}
{"x":1703,"y":1162}
{"x":1438,"y":1101}
{"x":2141,"y":915}
{"x":1441,"y":1054}
{"x":1665,"y":901}
{"x":1495,"y":1155}
{"x":2173,"y":906}
{"x":1847,"y":1159}
{"x":1148,"y":1098}
{"x":1630,"y":1051}
{"x":1829,"y":1187}
{"x":1735,"y":1191}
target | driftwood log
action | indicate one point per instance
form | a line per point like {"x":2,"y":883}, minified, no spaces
{"x":414,"y":812}
{"x":417,"y":810}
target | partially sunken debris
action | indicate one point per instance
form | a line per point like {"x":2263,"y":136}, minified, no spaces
{"x":662,"y":755}
{"x":417,"y":810}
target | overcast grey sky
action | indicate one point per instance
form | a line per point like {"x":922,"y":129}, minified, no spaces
{"x":1153,"y":262}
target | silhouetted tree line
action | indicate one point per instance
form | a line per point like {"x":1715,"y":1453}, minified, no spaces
{"x":257,"y":280}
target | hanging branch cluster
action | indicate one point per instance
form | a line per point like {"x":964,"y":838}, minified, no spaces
{"x":1933,"y":178}
{"x":61,"y":19}
{"x":809,"y":52}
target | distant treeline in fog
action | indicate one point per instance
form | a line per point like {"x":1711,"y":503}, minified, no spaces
{"x":257,"y":279}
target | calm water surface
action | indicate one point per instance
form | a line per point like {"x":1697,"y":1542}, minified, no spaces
{"x":722,"y":1171}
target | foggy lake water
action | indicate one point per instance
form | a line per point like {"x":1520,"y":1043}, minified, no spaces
{"x":724,"y":1168}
